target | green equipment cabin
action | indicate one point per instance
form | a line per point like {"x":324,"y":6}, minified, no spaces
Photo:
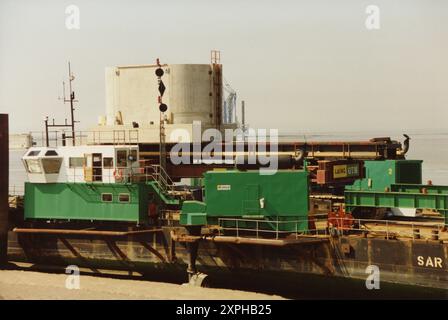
{"x":279,"y":201}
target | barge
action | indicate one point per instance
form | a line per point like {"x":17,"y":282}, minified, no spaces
{"x":334,"y":210}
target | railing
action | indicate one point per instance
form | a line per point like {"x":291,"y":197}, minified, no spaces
{"x":93,"y":137}
{"x":158,"y":174}
{"x":147,"y":173}
{"x":277,"y":232}
{"x":324,"y":228}
{"x":393,"y":228}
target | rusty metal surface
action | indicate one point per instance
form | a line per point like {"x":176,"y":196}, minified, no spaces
{"x":4,"y":185}
{"x":85,"y":232}
{"x":407,"y":262}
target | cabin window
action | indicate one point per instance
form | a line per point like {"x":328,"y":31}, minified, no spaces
{"x":122,"y":158}
{"x":33,"y":153}
{"x":33,"y":166}
{"x":97,"y":157}
{"x":51,"y":165}
{"x":51,"y":153}
{"x":76,"y":162}
{"x":123,"y":197}
{"x":106,"y":197}
{"x":108,"y":163}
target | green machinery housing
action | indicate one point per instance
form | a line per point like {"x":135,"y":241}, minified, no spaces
{"x":125,"y":202}
{"x":395,"y":184}
{"x":280,"y":199}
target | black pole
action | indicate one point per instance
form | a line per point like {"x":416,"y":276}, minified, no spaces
{"x":72,"y":97}
{"x":4,"y":185}
{"x":46,"y":133}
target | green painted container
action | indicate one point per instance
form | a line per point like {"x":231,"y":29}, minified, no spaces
{"x":87,"y":201}
{"x":381,"y":174}
{"x":282,"y":196}
{"x":249,"y":194}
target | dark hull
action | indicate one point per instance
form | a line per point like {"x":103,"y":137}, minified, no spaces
{"x":333,"y":268}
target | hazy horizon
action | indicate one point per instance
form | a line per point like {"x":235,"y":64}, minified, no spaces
{"x":305,"y":66}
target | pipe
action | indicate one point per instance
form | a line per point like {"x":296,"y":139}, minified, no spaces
{"x":283,"y":161}
{"x":242,"y":240}
{"x":4,"y":185}
{"x":84,"y":232}
{"x":405,"y":145}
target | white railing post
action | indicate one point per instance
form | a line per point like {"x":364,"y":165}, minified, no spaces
{"x":257,"y":228}
{"x":237,"y":231}
{"x":387,"y":229}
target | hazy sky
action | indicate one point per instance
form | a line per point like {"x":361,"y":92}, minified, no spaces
{"x":299,"y":65}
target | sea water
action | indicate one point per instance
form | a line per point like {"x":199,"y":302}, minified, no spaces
{"x":432,"y":148}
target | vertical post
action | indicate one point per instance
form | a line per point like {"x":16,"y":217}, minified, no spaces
{"x":4,"y":183}
{"x":72,"y":98}
{"x":257,"y":229}
{"x":237,"y":231}
{"x":47,"y":139}
{"x":243,"y":116}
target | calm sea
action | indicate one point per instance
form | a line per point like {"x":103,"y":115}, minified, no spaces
{"x":432,"y":148}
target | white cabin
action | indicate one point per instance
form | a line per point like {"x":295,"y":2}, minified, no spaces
{"x":89,"y":163}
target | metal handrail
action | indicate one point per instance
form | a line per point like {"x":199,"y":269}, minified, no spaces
{"x":90,"y":137}
{"x":411,"y":232}
{"x":149,"y":173}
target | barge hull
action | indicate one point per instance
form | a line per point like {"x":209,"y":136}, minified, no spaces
{"x":342,"y":260}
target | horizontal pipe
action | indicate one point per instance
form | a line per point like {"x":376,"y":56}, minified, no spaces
{"x":242,"y":240}
{"x":84,"y":232}
{"x":353,"y":154}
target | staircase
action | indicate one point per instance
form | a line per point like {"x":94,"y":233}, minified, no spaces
{"x":162,"y":184}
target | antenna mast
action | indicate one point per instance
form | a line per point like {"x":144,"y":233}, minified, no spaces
{"x":71,"y":125}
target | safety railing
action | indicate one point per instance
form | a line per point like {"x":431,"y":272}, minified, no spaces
{"x":240,"y":227}
{"x":143,"y":174}
{"x":334,"y":226}
{"x":157,"y":173}
{"x":390,"y":228}
{"x":91,"y":137}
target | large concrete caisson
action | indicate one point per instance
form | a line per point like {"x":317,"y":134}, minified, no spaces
{"x":193,"y":92}
{"x":190,"y":94}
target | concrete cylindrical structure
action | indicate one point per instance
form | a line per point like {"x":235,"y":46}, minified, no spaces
{"x":4,"y":184}
{"x":191,"y":93}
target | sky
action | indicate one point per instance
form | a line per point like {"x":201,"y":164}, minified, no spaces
{"x":309,"y":66}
